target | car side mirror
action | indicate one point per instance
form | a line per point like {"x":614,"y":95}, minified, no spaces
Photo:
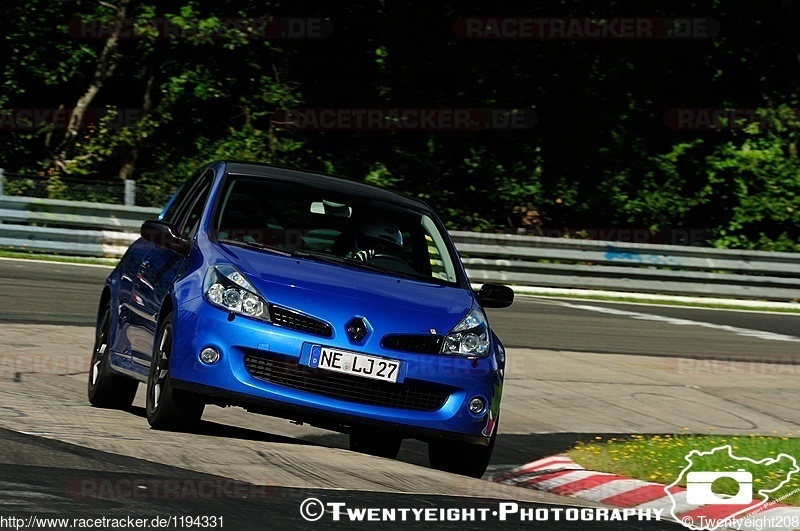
{"x":165,"y":235}
{"x":495,"y":296}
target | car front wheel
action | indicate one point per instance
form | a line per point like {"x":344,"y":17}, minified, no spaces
{"x":105,"y":388}
{"x":378,"y":444}
{"x":168,"y":408}
{"x":461,"y":458}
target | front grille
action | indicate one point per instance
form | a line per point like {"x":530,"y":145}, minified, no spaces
{"x":298,"y":321}
{"x":288,"y":373}
{"x":423,"y":344}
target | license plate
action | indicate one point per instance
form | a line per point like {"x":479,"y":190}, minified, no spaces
{"x":354,"y":363}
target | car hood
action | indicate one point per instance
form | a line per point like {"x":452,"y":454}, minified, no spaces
{"x":337,"y":293}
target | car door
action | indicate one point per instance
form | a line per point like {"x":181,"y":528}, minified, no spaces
{"x":127,"y":268}
{"x":162,"y":266}
{"x":132,"y":315}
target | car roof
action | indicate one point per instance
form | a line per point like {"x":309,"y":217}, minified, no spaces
{"x":320,"y":180}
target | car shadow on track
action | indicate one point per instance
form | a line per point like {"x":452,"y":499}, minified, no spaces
{"x":511,"y":450}
{"x":215,"y":429}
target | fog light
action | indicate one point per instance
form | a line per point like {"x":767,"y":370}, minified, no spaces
{"x":209,"y":355}
{"x":477,"y":405}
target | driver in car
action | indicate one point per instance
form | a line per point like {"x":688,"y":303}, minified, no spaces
{"x":376,"y":238}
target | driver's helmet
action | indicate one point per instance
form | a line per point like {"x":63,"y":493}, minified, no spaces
{"x":379,"y":237}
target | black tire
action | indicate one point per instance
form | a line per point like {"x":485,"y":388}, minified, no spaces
{"x":461,"y":458}
{"x":378,"y":444}
{"x":106,"y":389}
{"x":168,"y":408}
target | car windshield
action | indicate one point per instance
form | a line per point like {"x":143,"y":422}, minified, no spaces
{"x":355,"y":231}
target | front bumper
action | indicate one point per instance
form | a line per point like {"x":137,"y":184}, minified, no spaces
{"x":229,"y":382}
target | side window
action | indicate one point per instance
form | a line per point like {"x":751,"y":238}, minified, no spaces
{"x":168,"y":215}
{"x":177,"y":207}
{"x":196,"y":210}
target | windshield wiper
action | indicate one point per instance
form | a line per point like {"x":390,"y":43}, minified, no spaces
{"x":256,"y":245}
{"x":334,"y":259}
{"x":318,"y":255}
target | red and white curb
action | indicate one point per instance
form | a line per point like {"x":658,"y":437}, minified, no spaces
{"x":560,"y":475}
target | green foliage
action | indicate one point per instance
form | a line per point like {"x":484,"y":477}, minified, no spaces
{"x":746,"y":191}
{"x":758,"y":175}
{"x":600,"y":156}
{"x":379,"y":175}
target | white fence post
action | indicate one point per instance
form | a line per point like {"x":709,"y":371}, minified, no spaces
{"x":1,"y":180}
{"x":130,"y":192}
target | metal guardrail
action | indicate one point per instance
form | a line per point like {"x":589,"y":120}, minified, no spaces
{"x":73,"y":228}
{"x":102,"y":230}
{"x":632,"y":267}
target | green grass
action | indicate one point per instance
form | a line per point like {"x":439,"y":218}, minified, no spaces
{"x":661,"y":458}
{"x":59,"y":258}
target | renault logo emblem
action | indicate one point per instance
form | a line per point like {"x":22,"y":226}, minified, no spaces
{"x":357,"y":329}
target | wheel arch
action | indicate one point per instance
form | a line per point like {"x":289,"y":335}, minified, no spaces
{"x":105,"y":300}
{"x":167,"y":306}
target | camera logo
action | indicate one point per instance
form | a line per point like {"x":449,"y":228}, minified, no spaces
{"x":699,"y":491}
{"x":721,"y":490}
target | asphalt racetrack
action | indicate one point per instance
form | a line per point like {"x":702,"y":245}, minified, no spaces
{"x":576,"y":370}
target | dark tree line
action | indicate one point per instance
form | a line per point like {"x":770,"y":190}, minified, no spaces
{"x":624,"y":136}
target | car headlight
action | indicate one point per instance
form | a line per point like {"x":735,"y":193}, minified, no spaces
{"x":470,"y":337}
{"x":228,"y":289}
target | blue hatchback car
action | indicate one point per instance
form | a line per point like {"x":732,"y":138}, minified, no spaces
{"x":310,"y":298}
